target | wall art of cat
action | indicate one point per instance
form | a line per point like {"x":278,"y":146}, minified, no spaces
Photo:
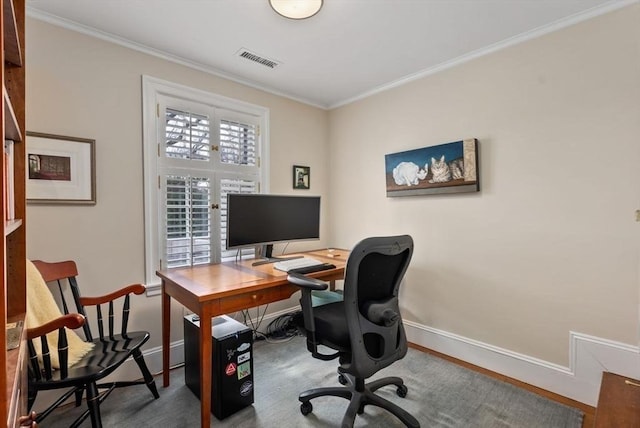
{"x":445,"y":168}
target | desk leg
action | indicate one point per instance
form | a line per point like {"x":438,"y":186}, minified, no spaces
{"x":166,"y":333}
{"x":206,"y":351}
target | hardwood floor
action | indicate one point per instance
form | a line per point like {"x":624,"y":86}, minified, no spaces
{"x":589,"y":411}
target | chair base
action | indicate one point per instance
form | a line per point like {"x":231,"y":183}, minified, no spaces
{"x":360,"y":395}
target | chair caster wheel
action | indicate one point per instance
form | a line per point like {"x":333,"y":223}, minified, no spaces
{"x":402,"y":391}
{"x":342,"y":379}
{"x":306,"y":408}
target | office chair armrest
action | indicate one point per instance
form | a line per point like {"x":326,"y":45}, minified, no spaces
{"x":71,"y":321}
{"x":308,"y":285}
{"x":307,"y":282}
{"x":98,"y":300}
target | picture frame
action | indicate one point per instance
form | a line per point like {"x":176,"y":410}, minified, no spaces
{"x":60,"y":170}
{"x":301,"y":177}
{"x":444,"y":168}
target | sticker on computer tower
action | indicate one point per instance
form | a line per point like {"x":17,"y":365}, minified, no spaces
{"x":230,"y":354}
{"x":244,"y":370}
{"x":244,"y":347}
{"x":245,"y":388}
{"x":244,"y":357}
{"x":230,"y":369}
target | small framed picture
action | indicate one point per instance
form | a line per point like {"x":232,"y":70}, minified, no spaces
{"x":301,"y":177}
{"x":60,"y":169}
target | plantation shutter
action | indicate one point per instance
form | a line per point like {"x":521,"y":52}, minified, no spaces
{"x":238,"y":143}
{"x":206,"y":154}
{"x":188,"y":221}
{"x":187,"y":135}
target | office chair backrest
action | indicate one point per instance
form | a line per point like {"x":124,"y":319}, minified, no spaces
{"x":374,"y":272}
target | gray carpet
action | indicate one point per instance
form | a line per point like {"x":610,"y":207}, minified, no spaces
{"x":441,"y":394}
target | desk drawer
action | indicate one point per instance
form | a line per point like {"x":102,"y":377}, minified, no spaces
{"x":256,"y":298}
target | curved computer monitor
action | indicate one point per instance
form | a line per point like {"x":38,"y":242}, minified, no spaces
{"x":262,"y":219}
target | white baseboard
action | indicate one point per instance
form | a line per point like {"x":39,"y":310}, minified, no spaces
{"x":589,"y":356}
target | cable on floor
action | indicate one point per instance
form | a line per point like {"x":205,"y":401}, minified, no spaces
{"x":282,"y":328}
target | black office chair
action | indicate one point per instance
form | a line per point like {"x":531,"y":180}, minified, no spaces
{"x":365,"y":328}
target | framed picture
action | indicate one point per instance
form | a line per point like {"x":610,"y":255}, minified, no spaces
{"x":60,"y":170}
{"x":445,"y":168}
{"x":301,"y":177}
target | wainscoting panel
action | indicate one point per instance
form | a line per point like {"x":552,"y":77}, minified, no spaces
{"x":589,"y":357}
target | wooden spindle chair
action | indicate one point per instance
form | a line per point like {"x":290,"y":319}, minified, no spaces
{"x":110,"y":350}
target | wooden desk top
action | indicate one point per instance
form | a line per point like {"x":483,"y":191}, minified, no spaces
{"x":215,"y":281}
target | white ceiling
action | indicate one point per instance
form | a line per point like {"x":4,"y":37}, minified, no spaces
{"x":349,"y":50}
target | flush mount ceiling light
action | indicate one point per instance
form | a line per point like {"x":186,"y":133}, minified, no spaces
{"x":296,"y":9}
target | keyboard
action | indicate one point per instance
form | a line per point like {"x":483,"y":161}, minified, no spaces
{"x":304,"y":262}
{"x":314,"y":268}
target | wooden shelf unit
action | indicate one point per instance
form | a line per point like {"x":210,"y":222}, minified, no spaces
{"x":13,"y":248}
{"x":12,"y":129}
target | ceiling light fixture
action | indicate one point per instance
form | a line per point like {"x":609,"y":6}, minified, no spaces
{"x":296,"y":9}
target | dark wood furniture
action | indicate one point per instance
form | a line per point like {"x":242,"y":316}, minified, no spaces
{"x":217,"y":289}
{"x":618,"y":403}
{"x":109,"y":352}
{"x":12,"y":269}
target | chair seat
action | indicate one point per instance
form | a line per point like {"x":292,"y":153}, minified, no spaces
{"x":104,"y":358}
{"x":331,"y":325}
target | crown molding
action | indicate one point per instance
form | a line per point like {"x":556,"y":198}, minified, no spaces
{"x":529,"y":35}
{"x":108,"y":37}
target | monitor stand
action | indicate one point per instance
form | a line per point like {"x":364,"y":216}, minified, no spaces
{"x":267,"y":251}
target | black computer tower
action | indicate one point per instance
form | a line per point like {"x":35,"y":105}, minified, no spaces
{"x":232,"y":363}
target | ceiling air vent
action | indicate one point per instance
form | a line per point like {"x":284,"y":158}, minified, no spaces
{"x":243,"y":53}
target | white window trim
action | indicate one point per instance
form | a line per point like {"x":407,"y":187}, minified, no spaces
{"x":152,"y":88}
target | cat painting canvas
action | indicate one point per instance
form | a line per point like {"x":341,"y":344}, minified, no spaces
{"x":445,"y":168}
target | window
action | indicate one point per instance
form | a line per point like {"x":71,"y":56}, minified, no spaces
{"x":197,"y":148}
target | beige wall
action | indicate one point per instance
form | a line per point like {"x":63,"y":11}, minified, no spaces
{"x":550,"y":244}
{"x":84,"y":87}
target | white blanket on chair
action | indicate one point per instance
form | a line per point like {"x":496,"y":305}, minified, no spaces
{"x":42,"y":308}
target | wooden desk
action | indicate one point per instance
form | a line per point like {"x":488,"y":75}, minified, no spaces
{"x":217,"y":289}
